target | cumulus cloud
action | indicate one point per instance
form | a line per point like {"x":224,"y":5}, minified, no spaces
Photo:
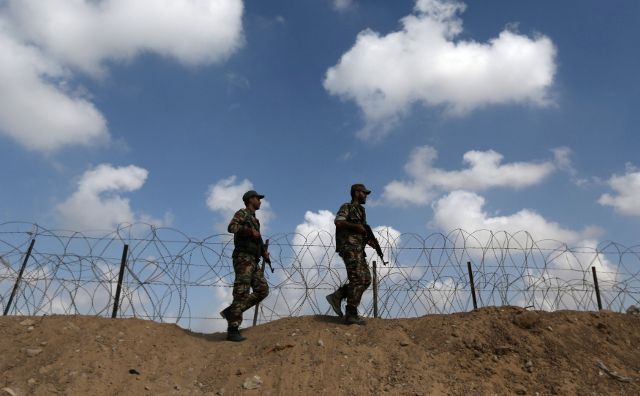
{"x":319,"y":221}
{"x":36,"y":108}
{"x":464,"y":209}
{"x":86,"y":33}
{"x":627,"y":190}
{"x":485,"y":170}
{"x":425,"y":63}
{"x":225,"y":198}
{"x":98,"y":204}
{"x":565,"y":255}
{"x":45,"y":42}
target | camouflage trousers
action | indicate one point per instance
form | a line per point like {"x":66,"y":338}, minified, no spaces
{"x":358,"y":274}
{"x":248,"y":276}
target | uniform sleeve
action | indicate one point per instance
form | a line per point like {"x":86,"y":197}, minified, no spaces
{"x":237,"y":222}
{"x":343,"y":213}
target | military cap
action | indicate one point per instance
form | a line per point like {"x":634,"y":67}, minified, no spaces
{"x":251,"y":194}
{"x":360,"y":187}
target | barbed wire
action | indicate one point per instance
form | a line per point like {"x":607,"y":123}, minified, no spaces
{"x":172,"y":277}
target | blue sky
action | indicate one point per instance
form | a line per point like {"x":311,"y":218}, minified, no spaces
{"x":113,"y":112}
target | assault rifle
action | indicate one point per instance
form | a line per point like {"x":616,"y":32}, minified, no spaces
{"x":264,"y":247}
{"x":373,"y":241}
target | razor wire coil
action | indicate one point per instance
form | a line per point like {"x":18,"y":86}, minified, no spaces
{"x":173,"y":277}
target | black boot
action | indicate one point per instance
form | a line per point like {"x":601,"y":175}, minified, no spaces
{"x":225,"y":313}
{"x":352,"y":317}
{"x":335,"y":299}
{"x":233,"y":334}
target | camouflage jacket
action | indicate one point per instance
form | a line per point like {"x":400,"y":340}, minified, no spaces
{"x":346,"y":239}
{"x":240,"y":226}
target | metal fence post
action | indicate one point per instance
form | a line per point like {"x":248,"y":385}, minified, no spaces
{"x":375,"y":290}
{"x":473,"y":288}
{"x":123,"y":264}
{"x":15,"y":287}
{"x":595,"y":283}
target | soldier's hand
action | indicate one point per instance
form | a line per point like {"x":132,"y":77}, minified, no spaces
{"x":266,"y":256}
{"x":255,"y":233}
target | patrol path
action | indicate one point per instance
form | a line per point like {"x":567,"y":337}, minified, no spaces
{"x":494,"y":350}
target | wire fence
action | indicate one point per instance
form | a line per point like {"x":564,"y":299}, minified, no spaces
{"x":171,"y":277}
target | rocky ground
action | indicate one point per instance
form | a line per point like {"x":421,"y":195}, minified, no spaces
{"x":491,"y":351}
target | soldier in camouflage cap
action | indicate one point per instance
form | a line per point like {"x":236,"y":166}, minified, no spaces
{"x":249,"y":247}
{"x":351,"y":238}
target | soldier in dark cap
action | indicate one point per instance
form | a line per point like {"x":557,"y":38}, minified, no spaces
{"x":351,"y":238}
{"x":249,"y":247}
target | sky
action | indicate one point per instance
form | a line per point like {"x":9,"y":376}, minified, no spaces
{"x":495,"y":115}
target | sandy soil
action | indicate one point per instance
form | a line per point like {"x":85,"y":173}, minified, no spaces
{"x":491,"y":351}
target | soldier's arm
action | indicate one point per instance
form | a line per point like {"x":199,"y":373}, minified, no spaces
{"x":341,"y":221}
{"x":238,"y":224}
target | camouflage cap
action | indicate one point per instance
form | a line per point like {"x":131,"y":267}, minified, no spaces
{"x":251,"y":194}
{"x":360,"y":187}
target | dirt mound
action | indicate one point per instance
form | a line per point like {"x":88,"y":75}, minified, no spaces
{"x":494,"y":350}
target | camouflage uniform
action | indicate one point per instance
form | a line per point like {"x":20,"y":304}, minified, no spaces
{"x":246,"y":256}
{"x":350,"y":246}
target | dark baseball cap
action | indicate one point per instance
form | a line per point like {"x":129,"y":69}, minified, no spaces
{"x":360,"y":187}
{"x":251,"y":194}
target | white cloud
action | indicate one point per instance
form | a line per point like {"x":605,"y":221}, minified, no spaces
{"x":45,"y":42}
{"x":562,"y":158}
{"x":36,"y":108}
{"x":317,"y":222}
{"x":485,"y":170}
{"x":552,"y":257}
{"x":98,"y":203}
{"x":423,"y":62}
{"x":627,"y":190}
{"x":464,"y":209}
{"x":225,"y":198}
{"x":86,"y":33}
